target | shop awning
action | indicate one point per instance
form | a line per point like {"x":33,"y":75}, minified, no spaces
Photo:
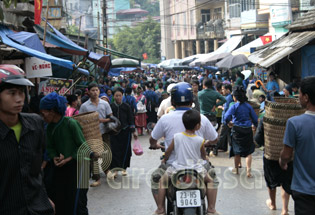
{"x":28,"y":39}
{"x":67,"y":45}
{"x":279,"y":49}
{"x":60,"y":40}
{"x":227,"y":47}
{"x":4,"y":31}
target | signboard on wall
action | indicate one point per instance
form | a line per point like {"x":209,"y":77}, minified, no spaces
{"x":52,"y":84}
{"x":281,"y":13}
{"x":36,"y":67}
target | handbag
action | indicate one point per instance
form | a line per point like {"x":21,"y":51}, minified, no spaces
{"x":113,"y":127}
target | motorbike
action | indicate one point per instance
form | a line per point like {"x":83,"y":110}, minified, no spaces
{"x":186,"y":192}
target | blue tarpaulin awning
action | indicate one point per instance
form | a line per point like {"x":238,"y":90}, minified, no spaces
{"x":28,"y":39}
{"x":116,"y":71}
{"x":61,"y":42}
{"x":67,"y":45}
{"x":4,"y":31}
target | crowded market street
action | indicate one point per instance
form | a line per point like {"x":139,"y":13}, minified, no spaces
{"x":237,"y":195}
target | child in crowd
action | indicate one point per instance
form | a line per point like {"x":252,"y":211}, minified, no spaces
{"x":190,"y":154}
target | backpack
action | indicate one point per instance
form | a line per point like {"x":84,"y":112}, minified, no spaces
{"x":141,"y":106}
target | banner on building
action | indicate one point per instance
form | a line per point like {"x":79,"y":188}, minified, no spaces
{"x":281,"y":13}
{"x":266,"y":39}
{"x":36,"y":68}
{"x":52,"y":84}
{"x":38,"y":5}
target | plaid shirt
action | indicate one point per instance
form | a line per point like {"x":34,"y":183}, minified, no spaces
{"x":21,"y":186}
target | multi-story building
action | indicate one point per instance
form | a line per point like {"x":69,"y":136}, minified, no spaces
{"x":190,"y":27}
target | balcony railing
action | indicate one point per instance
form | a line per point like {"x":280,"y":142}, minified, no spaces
{"x":212,"y":29}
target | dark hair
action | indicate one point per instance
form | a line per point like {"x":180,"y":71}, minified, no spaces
{"x":208,"y":83}
{"x":195,"y":82}
{"x":263,"y":97}
{"x":91,"y":85}
{"x":78,"y":92}
{"x":254,"y":87}
{"x":10,"y":86}
{"x":128,"y":90}
{"x":218,"y":86}
{"x":71,"y":99}
{"x":240,"y":94}
{"x":239,"y":74}
{"x":118,"y":89}
{"x":228,"y":87}
{"x":191,"y":118}
{"x":307,"y":87}
{"x":160,"y":85}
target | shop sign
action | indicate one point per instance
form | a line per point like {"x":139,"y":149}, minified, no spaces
{"x":52,"y":84}
{"x":36,"y":68}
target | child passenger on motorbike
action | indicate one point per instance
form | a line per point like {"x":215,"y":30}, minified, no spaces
{"x":190,"y":154}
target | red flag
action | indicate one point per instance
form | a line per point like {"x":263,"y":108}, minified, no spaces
{"x":38,"y":5}
{"x":145,"y":56}
{"x":266,"y":39}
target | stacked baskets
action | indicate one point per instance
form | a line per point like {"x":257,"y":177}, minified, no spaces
{"x":277,"y":114}
{"x":255,"y":106}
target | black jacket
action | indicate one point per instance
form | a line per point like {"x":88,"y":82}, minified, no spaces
{"x":21,"y":186}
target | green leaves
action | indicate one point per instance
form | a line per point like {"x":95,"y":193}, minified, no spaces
{"x":143,"y":38}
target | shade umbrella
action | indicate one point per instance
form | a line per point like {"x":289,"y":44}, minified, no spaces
{"x":125,"y":62}
{"x":214,"y":58}
{"x":246,"y":73}
{"x":232,"y":61}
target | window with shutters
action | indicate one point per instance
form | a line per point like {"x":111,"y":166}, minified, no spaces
{"x":205,"y":15}
{"x":235,"y":8}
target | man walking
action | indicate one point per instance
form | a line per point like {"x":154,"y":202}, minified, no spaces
{"x":22,"y":141}
{"x":300,"y":138}
{"x":104,"y":110}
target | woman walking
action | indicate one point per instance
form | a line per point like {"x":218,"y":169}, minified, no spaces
{"x":121,"y":143}
{"x":141,"y":116}
{"x":240,"y":117}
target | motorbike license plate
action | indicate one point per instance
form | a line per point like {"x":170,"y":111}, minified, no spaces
{"x":188,"y":198}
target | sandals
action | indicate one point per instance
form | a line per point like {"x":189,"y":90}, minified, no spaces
{"x":249,"y":175}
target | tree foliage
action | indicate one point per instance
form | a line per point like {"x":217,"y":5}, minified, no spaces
{"x":143,"y":38}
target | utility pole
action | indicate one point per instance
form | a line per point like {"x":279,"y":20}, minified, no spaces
{"x":105,"y":23}
{"x":98,"y":29}
{"x":79,"y":31}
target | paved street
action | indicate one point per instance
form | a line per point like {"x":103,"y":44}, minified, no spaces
{"x":132,"y":195}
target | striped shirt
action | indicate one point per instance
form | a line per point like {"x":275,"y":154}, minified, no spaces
{"x":22,"y":189}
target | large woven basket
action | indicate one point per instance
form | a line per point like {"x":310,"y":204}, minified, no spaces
{"x":89,"y":122}
{"x":255,"y":106}
{"x":286,"y":100}
{"x":282,"y":110}
{"x":274,"y":130}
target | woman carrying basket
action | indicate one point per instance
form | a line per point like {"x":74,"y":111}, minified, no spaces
{"x":240,"y":117}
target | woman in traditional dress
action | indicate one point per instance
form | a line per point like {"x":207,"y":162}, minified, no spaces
{"x":240,"y":117}
{"x":141,"y":116}
{"x":121,"y":143}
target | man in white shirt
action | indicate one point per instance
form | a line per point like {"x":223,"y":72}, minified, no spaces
{"x":166,"y":103}
{"x":170,"y":124}
{"x":104,"y":110}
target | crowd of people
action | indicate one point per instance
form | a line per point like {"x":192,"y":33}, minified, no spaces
{"x":158,"y":104}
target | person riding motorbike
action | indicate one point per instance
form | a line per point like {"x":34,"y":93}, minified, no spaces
{"x":190,"y":154}
{"x":170,"y":124}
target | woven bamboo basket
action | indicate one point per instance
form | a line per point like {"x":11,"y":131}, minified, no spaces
{"x":286,"y":100}
{"x":255,"y":106}
{"x":282,"y":110}
{"x":89,"y":122}
{"x":274,"y":130}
